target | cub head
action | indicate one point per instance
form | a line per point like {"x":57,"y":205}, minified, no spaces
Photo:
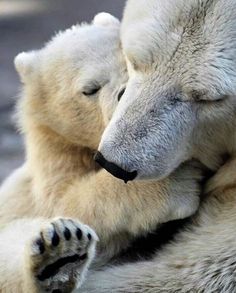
{"x":72,"y":84}
{"x":180,"y":100}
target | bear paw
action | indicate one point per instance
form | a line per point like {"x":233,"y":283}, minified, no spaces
{"x":60,"y":255}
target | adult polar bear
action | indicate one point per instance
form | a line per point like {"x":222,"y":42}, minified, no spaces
{"x":181,"y":57}
{"x":179,"y":103}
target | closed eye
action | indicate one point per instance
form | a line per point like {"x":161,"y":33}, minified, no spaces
{"x":91,"y":92}
{"x":205,"y":97}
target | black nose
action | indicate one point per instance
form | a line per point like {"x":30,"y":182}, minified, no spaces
{"x":114,"y":169}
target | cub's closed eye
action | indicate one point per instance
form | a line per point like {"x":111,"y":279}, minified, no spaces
{"x":120,"y":94}
{"x":91,"y":92}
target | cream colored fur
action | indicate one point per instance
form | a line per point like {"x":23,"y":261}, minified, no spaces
{"x":70,"y":90}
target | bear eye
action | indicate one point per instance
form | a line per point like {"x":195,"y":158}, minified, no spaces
{"x":91,"y":92}
{"x":120,"y":94}
{"x":205,"y":97}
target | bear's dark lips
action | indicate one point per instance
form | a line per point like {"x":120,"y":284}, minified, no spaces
{"x":115,"y":170}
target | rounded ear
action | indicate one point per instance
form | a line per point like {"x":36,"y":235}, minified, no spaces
{"x":25,"y":64}
{"x":105,"y":19}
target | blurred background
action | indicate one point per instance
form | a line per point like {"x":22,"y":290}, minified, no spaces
{"x":27,"y":25}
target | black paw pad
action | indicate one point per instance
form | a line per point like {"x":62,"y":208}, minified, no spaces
{"x":67,"y":234}
{"x":41,"y":246}
{"x":52,"y":269}
{"x":55,"y":239}
{"x":79,"y":233}
{"x":83,"y":257}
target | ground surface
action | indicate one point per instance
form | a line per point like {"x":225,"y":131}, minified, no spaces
{"x":26,"y":25}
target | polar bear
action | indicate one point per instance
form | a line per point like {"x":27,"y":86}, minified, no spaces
{"x":180,"y":98}
{"x":70,"y":90}
{"x":181,"y":90}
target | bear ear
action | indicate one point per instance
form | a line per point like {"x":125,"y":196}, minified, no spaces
{"x":105,"y":19}
{"x":25,"y":64}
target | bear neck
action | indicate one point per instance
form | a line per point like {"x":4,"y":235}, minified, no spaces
{"x":53,"y":160}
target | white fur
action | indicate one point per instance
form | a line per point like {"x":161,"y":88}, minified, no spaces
{"x":181,"y":60}
{"x":105,"y":19}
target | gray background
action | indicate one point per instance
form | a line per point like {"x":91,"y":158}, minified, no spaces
{"x":26,"y":25}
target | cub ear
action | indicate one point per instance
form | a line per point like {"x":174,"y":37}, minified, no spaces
{"x":105,"y":19}
{"x":25,"y":63}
